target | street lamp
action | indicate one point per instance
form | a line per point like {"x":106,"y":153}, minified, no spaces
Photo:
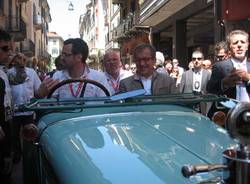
{"x":71,"y":6}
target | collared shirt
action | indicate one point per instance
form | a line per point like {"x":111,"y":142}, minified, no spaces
{"x":197,"y":77}
{"x":241,"y":91}
{"x":73,"y":90}
{"x":22,"y":93}
{"x":114,"y":83}
{"x":147,"y":84}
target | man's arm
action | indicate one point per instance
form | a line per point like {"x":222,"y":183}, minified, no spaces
{"x":47,"y":84}
{"x":215,"y":83}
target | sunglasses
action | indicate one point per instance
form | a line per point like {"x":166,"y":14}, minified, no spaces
{"x":5,"y":48}
{"x":194,"y":59}
{"x":220,"y":57}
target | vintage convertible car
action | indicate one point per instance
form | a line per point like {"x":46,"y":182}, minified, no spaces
{"x":134,"y":139}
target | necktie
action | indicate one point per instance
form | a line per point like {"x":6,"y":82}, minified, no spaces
{"x":242,"y":94}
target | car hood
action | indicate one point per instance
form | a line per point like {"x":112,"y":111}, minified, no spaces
{"x":143,"y":146}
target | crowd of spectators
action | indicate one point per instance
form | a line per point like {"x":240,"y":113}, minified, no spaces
{"x":228,"y":73}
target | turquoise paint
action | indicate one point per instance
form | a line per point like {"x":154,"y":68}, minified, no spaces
{"x":131,"y":144}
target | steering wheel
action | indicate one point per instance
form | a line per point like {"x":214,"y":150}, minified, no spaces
{"x":85,"y":81}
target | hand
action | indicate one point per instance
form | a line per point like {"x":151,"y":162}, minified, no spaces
{"x":29,"y":132}
{"x":234,"y":78}
{"x":47,"y":84}
{"x":2,"y":134}
{"x":243,"y":75}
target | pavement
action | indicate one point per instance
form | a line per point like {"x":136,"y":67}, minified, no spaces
{"x":16,"y":177}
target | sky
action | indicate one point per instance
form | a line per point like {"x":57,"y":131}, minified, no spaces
{"x":64,"y":22}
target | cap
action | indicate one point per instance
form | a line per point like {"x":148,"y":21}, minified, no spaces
{"x":159,"y":58}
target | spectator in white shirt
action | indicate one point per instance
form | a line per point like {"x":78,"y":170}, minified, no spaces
{"x":113,"y":69}
{"x":24,"y":84}
{"x":74,"y":54}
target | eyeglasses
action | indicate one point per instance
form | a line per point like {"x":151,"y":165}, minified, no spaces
{"x":66,"y":54}
{"x":112,"y":63}
{"x":199,"y":58}
{"x":143,"y":59}
{"x":220,"y":58}
{"x":5,"y":48}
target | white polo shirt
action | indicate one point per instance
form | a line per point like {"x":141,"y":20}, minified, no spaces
{"x":73,"y":90}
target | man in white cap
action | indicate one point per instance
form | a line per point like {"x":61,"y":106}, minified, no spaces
{"x":159,"y":65}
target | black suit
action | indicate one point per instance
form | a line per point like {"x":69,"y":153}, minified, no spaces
{"x":2,"y":93}
{"x":219,"y":71}
{"x":5,"y":144}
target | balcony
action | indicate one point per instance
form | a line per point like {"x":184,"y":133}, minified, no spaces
{"x":37,"y":22}
{"x":118,"y":33}
{"x":28,"y":47}
{"x":117,"y":1}
{"x":17,"y":28}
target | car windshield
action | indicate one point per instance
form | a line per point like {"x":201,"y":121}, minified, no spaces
{"x":123,"y":99}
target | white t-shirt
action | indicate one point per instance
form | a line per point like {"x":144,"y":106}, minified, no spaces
{"x":22,"y":93}
{"x":73,"y":90}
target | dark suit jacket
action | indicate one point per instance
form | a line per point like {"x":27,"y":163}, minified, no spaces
{"x":161,"y":84}
{"x":219,"y":71}
{"x":186,"y":85}
{"x":2,"y":93}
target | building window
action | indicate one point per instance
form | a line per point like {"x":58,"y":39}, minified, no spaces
{"x":54,"y":51}
{"x":1,"y":7}
{"x":54,"y":41}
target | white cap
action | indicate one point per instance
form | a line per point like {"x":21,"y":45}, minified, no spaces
{"x":159,"y":58}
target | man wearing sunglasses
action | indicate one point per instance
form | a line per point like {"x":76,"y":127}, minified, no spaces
{"x":232,"y":76}
{"x":5,"y":136}
{"x":196,"y":79}
{"x":221,"y":51}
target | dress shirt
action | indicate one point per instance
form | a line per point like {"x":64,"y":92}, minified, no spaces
{"x":147,"y":84}
{"x":241,"y":91}
{"x":197,"y":77}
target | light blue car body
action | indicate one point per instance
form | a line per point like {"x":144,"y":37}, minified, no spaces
{"x":128,"y":144}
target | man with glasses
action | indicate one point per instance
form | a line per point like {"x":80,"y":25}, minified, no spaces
{"x":196,"y":79}
{"x":74,"y":55}
{"x":232,"y":76}
{"x":113,"y":69}
{"x":146,"y":77}
{"x":5,"y":138}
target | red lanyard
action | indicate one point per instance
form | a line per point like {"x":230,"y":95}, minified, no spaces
{"x":77,"y":91}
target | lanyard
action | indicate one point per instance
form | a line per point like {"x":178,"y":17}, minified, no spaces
{"x":115,"y":85}
{"x":77,"y":91}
